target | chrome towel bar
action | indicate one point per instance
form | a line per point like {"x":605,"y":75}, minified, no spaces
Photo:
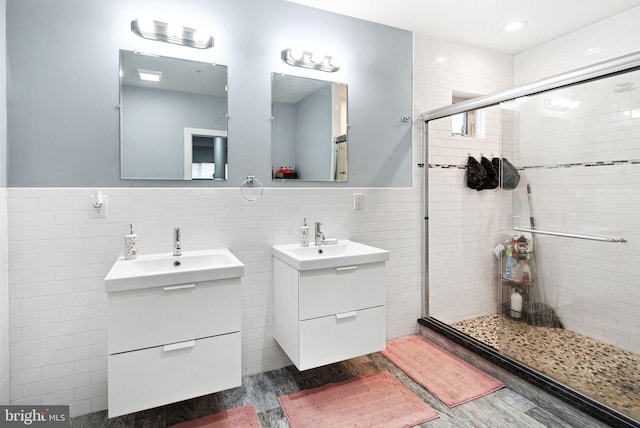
{"x":571,"y":235}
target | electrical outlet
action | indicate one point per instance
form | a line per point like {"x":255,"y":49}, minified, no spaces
{"x":358,"y":201}
{"x":101,"y":210}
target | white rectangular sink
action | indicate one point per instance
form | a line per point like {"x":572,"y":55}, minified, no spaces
{"x":344,"y":253}
{"x":159,"y":270}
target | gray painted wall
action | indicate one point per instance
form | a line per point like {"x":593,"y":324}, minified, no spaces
{"x":63,"y":127}
{"x":3,"y":98}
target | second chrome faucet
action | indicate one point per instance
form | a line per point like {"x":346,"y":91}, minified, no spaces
{"x":177,"y":249}
{"x":319,"y":234}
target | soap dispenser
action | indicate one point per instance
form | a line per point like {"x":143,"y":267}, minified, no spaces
{"x":130,"y":245}
{"x":304,"y":234}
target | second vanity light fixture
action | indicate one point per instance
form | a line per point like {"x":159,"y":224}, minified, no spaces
{"x":306,"y":59}
{"x":171,"y":33}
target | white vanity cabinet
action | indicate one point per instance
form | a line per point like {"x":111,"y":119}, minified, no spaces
{"x":172,"y":342}
{"x":331,"y":314}
{"x":168,"y":344}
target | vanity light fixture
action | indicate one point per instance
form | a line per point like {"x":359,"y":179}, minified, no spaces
{"x":171,"y":33}
{"x":306,"y":59}
{"x":149,"y":75}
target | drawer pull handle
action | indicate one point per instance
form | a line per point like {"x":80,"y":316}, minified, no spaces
{"x":181,"y":345}
{"x":179,"y":287}
{"x":347,"y":268}
{"x":344,"y":315}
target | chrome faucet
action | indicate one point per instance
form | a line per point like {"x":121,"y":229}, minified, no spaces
{"x":177,"y":250}
{"x":319,"y":234}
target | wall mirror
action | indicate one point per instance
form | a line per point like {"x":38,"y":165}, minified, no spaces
{"x":309,"y":129}
{"x":173,"y":118}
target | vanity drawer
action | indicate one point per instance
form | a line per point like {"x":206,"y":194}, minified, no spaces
{"x":156,"y":376}
{"x":336,"y":290}
{"x":154,"y":316}
{"x":339,"y":337}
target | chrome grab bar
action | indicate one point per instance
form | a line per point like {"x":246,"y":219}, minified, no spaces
{"x":571,"y":235}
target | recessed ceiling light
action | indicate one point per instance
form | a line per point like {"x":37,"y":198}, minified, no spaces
{"x":150,"y":75}
{"x":514,"y":26}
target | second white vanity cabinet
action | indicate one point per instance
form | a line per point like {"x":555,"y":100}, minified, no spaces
{"x":330,"y":314}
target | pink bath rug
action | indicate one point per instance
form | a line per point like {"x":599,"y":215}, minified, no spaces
{"x":378,"y":400}
{"x":446,"y":376}
{"x":245,"y":417}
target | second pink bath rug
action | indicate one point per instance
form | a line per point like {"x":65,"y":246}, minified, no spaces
{"x":446,"y":376}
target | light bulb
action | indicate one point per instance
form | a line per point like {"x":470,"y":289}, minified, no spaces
{"x":174,"y":31}
{"x":296,"y":54}
{"x":318,"y":58}
{"x":147,"y":25}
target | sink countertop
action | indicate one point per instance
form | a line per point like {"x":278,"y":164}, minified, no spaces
{"x":159,"y":270}
{"x":344,"y":253}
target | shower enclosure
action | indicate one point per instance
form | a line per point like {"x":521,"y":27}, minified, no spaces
{"x":575,"y":142}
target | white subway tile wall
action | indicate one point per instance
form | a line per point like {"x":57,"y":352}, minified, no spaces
{"x":457,"y":279}
{"x":59,"y":256}
{"x":583,"y":166}
{"x":463,"y":223}
{"x":616,"y":36}
{"x":5,"y":374}
{"x":596,"y":285}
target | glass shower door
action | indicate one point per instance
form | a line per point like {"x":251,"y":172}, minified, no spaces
{"x":578,"y":152}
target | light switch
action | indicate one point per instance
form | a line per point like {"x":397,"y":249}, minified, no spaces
{"x":358,"y":201}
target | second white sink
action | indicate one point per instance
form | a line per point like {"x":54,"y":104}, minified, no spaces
{"x":343,"y":253}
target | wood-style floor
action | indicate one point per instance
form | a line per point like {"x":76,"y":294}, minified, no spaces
{"x":503,"y":408}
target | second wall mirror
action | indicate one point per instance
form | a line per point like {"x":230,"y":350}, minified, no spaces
{"x":173,"y":118}
{"x":309,"y":129}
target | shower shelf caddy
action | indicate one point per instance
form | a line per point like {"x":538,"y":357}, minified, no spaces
{"x":523,"y":288}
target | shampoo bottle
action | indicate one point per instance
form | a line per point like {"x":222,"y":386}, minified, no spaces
{"x":130,"y":245}
{"x":304,"y":234}
{"x":510,"y":263}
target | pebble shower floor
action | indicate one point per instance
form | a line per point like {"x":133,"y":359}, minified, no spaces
{"x":596,"y":369}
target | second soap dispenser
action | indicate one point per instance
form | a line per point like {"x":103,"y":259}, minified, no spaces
{"x":304,"y":234}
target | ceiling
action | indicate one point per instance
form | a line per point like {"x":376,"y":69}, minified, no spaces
{"x":293,"y":89}
{"x":479,"y":23}
{"x":179,"y":75}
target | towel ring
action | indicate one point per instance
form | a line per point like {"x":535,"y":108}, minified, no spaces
{"x":249,"y":183}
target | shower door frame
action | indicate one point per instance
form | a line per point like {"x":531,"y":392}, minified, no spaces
{"x":600,"y":70}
